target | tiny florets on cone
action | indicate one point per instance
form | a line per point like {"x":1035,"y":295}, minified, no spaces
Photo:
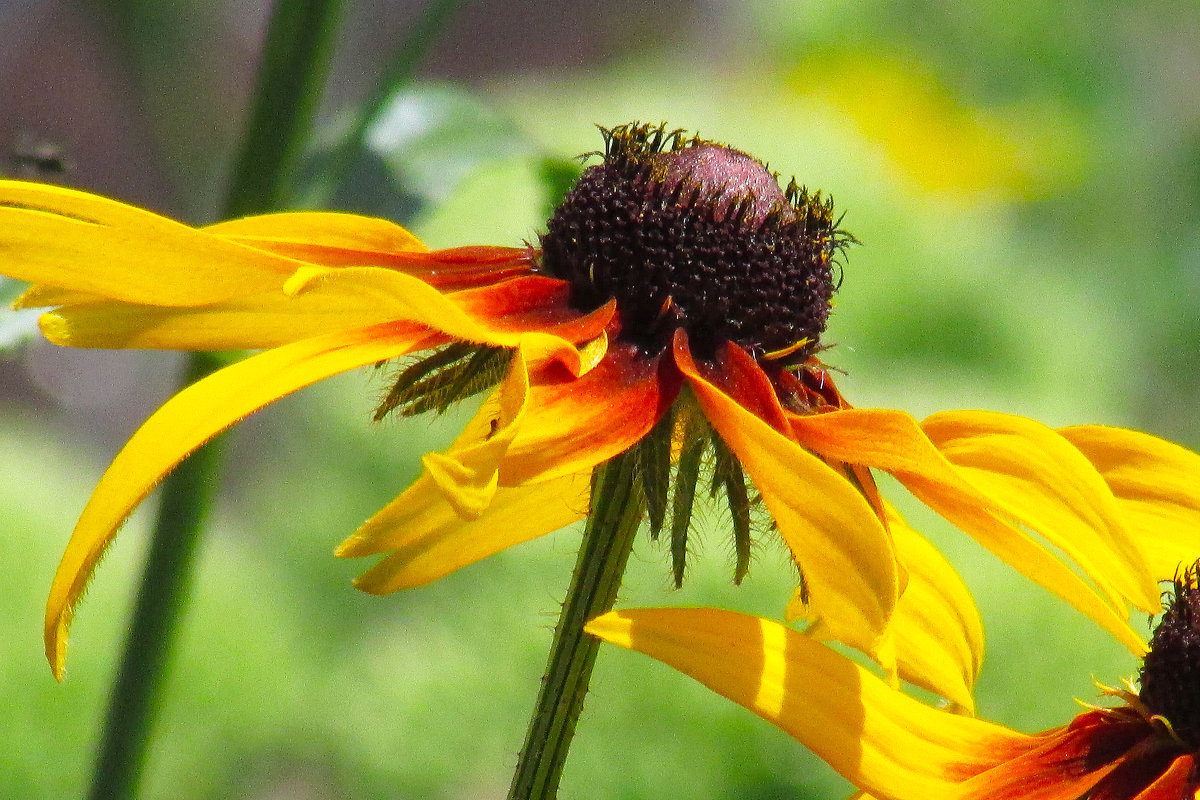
{"x":1170,"y":674}
{"x":687,"y":233}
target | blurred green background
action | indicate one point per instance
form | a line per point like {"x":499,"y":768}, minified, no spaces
{"x":1024,"y":178}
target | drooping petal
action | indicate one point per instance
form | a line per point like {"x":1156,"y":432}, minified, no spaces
{"x":429,"y":540}
{"x":515,"y":429}
{"x":844,"y":552}
{"x":79,"y":241}
{"x":874,"y":736}
{"x":939,"y":636}
{"x":185,"y":422}
{"x":574,"y":423}
{"x":893,"y":442}
{"x":467,"y":475}
{"x":1043,"y":481}
{"x":1157,"y":486}
{"x":938,"y":632}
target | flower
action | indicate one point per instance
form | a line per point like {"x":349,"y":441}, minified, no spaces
{"x":895,"y":747}
{"x":673,"y":308}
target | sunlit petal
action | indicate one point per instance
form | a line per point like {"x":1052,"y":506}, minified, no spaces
{"x":939,"y":636}
{"x":1042,"y":481}
{"x":429,"y":540}
{"x":892,"y":441}
{"x":937,"y":630}
{"x":844,"y":552}
{"x":874,"y":736}
{"x":184,"y":423}
{"x":1157,"y":486}
{"x":248,"y":323}
{"x":87,"y":243}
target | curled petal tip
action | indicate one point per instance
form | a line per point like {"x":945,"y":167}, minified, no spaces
{"x":364,"y":585}
{"x":301,"y":279}
{"x":56,"y":646}
{"x":348,"y":548}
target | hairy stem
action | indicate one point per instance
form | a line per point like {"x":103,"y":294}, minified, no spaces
{"x":617,"y":508}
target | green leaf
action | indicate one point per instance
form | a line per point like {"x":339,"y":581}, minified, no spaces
{"x":422,"y":145}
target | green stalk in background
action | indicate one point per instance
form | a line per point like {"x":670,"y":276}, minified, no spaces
{"x":292,"y":73}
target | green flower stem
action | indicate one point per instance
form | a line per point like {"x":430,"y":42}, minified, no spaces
{"x":294,"y":64}
{"x":617,"y":508}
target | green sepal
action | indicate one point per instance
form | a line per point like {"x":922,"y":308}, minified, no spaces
{"x":728,"y":472}
{"x":654,"y":466}
{"x":403,"y":384}
{"x":687,"y":473}
{"x":440,"y":380}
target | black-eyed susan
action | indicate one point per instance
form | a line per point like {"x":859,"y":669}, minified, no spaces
{"x":670,"y":317}
{"x":892,"y":746}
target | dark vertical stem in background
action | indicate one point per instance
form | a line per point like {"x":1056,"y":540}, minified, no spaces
{"x":291,"y":76}
{"x":295,"y":61}
{"x":186,"y":498}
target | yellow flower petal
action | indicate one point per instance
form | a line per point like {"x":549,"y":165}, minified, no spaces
{"x":874,"y":736}
{"x":1043,"y":481}
{"x":184,"y":423}
{"x":430,"y":540}
{"x":939,"y":636}
{"x":575,"y":422}
{"x":87,"y":243}
{"x":324,"y":228}
{"x":892,"y":441}
{"x":249,"y":323}
{"x":937,"y":629}
{"x":844,"y":552}
{"x":468,"y":473}
{"x":1157,"y":485}
{"x":272,"y":319}
{"x":416,"y":301}
{"x":43,"y":296}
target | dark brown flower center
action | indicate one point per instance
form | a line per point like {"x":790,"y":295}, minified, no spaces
{"x":1170,"y":675}
{"x":688,"y":233}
